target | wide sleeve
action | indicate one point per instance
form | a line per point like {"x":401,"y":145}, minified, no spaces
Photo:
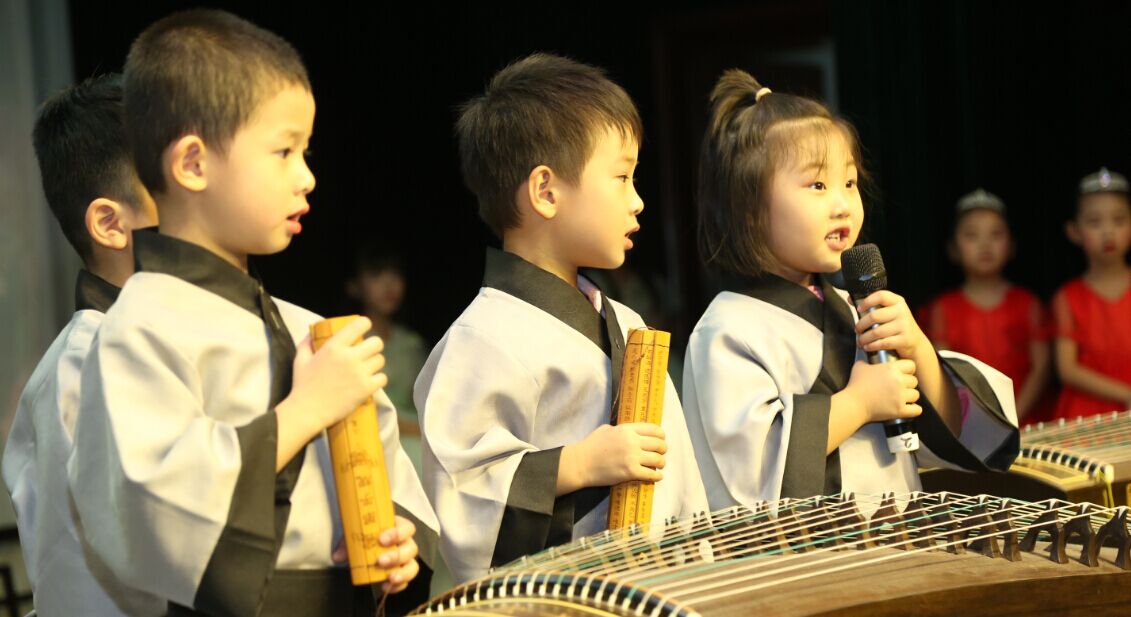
{"x":493,"y":490}
{"x":753,"y":438}
{"x":177,"y":503}
{"x":989,"y":438}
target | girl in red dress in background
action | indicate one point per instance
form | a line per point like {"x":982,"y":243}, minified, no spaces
{"x":1093,"y":312}
{"x":990,"y":318}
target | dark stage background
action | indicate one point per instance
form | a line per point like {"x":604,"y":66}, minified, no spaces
{"x":947,"y":96}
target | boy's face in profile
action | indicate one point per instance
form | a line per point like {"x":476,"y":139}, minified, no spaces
{"x":598,"y":215}
{"x":258,"y":189}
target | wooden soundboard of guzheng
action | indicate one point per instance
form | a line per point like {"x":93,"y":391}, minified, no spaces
{"x":642,"y":385}
{"x":1083,"y":459}
{"x":917,"y":553}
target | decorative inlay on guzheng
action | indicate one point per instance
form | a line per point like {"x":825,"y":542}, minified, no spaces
{"x":920,"y":553}
{"x":1084,"y":459}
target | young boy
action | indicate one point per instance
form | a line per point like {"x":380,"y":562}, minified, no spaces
{"x":95,"y":195}
{"x":200,"y":471}
{"x":515,"y":401}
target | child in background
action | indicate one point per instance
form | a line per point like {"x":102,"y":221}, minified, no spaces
{"x":379,"y":287}
{"x":778,"y":398}
{"x":990,"y":318}
{"x":1093,"y":312}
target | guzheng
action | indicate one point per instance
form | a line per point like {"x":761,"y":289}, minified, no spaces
{"x":1085,"y":459}
{"x":642,"y":385}
{"x":918,"y":553}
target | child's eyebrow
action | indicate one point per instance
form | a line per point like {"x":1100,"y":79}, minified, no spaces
{"x":292,"y":133}
{"x":628,"y":159}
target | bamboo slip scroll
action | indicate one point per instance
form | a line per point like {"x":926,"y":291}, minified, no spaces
{"x":364,"y":500}
{"x":642,"y":385}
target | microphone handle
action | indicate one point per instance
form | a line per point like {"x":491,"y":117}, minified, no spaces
{"x":900,"y":432}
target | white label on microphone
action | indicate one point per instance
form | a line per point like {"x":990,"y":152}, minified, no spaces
{"x":905,"y":442}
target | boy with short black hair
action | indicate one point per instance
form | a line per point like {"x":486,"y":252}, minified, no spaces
{"x":516,"y":400}
{"x":201,"y":471}
{"x":96,"y":197}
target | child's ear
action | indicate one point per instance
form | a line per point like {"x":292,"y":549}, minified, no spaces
{"x":105,"y":223}
{"x":541,"y":189}
{"x":1072,"y":230}
{"x":187,"y":163}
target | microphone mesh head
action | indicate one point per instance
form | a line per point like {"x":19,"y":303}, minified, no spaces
{"x":864,"y":271}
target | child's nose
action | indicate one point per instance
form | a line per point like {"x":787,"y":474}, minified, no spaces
{"x":307,"y":181}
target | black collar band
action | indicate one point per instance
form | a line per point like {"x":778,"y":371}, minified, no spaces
{"x":155,"y":252}
{"x":93,"y":292}
{"x":514,"y":275}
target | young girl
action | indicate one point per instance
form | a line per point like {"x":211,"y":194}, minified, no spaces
{"x":1093,"y":312}
{"x":990,"y":318}
{"x":778,"y":401}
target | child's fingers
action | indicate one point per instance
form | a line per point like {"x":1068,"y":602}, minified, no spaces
{"x":653,"y":444}
{"x":399,"y":555}
{"x":879,"y":332}
{"x":653,"y":460}
{"x":911,"y":410}
{"x":910,"y":395}
{"x":881,"y":298}
{"x":373,"y":364}
{"x":401,"y":577}
{"x":352,"y":331}
{"x":905,"y":366}
{"x":646,"y":429}
{"x":910,"y":382}
{"x":401,"y":531}
{"x":647,"y":474}
{"x":369,"y":346}
{"x":889,"y":343}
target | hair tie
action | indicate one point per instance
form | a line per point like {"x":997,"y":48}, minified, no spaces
{"x":763,"y":92}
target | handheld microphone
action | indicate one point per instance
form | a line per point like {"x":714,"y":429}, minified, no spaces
{"x":864,"y":274}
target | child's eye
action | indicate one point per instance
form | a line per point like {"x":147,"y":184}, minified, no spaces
{"x":285,"y":152}
{"x":850,"y":184}
{"x":818,"y":185}
{"x":624,"y":178}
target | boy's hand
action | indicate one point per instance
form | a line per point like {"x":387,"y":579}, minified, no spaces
{"x":614,"y":454}
{"x":341,"y":376}
{"x":885,"y":391}
{"x":400,"y":561}
{"x":896,"y":329}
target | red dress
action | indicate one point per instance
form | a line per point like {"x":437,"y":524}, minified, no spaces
{"x":999,"y":336}
{"x":1102,"y":331}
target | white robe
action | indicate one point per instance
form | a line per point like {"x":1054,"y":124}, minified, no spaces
{"x":509,"y":385}
{"x":758,"y":376}
{"x":66,"y":577}
{"x":174,"y":466}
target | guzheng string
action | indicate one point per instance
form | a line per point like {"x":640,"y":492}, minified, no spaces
{"x":776,"y":573}
{"x":1107,"y":434}
{"x":743,"y":538}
